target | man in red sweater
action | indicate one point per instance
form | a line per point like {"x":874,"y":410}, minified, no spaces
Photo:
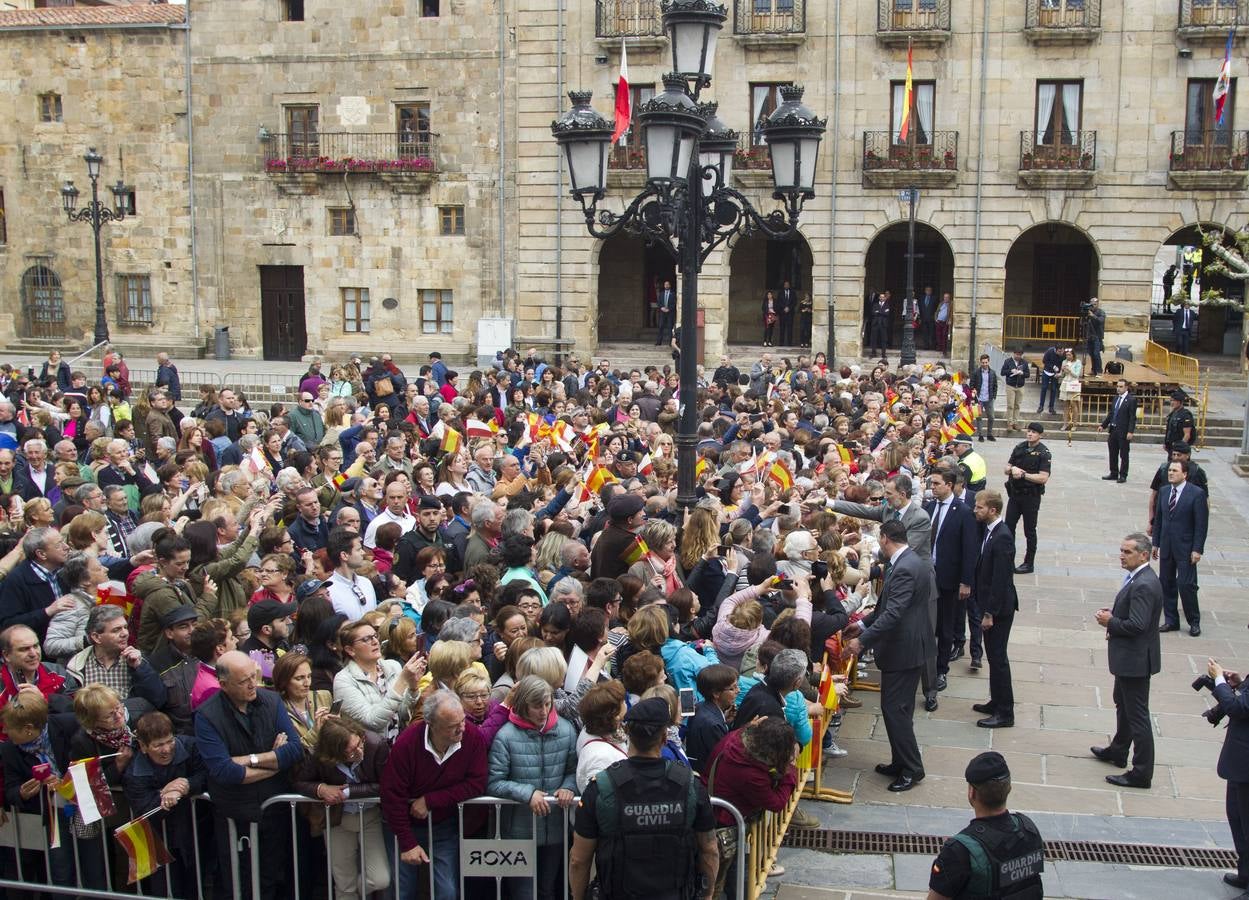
{"x":434,"y":765}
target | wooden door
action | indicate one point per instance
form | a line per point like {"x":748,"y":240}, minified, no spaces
{"x":1060,"y":279}
{"x":282,"y":312}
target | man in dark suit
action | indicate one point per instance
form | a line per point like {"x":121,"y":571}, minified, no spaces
{"x":786,"y":309}
{"x":928,"y":318}
{"x":878,"y":324}
{"x":37,"y":478}
{"x":998,"y":601}
{"x":1233,"y":700}
{"x":899,"y":632}
{"x":30,"y":595}
{"x":1121,"y":422}
{"x":1181,"y":520}
{"x":1134,"y":654}
{"x":955,"y":547}
{"x":666,"y":305}
{"x":1183,"y":321}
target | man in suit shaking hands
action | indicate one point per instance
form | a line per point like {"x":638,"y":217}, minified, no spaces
{"x":1120,"y":422}
{"x":1134,"y":653}
{"x":1181,"y":518}
{"x":900,"y":633}
{"x":955,"y":547}
{"x":998,"y":601}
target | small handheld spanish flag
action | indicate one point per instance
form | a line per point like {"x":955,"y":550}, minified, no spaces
{"x":450,"y":441}
{"x":635,"y":552}
{"x":781,"y":475}
{"x":338,"y":480}
{"x":143,"y":847}
{"x":700,"y":467}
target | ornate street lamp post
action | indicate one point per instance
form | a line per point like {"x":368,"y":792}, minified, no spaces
{"x":96,"y":214}
{"x":688,"y":206}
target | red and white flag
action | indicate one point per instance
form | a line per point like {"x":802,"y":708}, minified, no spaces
{"x":1224,"y":83}
{"x":623,"y":106}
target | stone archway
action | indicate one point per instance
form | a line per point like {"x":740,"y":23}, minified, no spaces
{"x":1219,"y":328}
{"x":629,"y":274}
{"x":1051,"y":269}
{"x":885,"y":270}
{"x":757,"y":265}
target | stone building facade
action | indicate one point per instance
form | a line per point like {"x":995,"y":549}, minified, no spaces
{"x":386,"y":170}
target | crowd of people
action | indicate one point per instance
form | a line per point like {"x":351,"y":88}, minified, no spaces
{"x":430,"y":587}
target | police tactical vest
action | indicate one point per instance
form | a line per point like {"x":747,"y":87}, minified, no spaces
{"x":1005,"y":864}
{"x":646,"y":832}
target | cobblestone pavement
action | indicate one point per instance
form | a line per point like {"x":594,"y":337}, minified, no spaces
{"x":1063,"y":703}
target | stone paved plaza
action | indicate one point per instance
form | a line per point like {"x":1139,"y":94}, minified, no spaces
{"x":1063,"y":704}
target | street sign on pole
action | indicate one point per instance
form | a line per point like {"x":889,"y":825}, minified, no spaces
{"x":904,"y":195}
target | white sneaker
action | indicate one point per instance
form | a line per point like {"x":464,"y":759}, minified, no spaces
{"x":834,"y":751}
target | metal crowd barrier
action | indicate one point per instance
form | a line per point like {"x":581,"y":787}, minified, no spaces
{"x":27,"y":833}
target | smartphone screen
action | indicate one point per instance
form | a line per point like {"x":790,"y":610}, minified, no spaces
{"x":686,"y":697}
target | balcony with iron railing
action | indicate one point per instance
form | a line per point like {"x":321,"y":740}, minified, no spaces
{"x":889,"y":164}
{"x":405,"y":160}
{"x":1062,"y":21}
{"x":1210,"y":20}
{"x":914,"y":21}
{"x":752,"y":164}
{"x":1047,"y":160}
{"x":1208,"y":160}
{"x":638,"y":20}
{"x":770,"y":23}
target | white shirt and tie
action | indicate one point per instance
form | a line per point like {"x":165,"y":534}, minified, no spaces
{"x":988,"y":533}
{"x":939,"y":512}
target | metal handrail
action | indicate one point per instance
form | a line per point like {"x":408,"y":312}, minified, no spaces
{"x":627,"y":18}
{"x":769,"y":16}
{"x":882,"y":151}
{"x":332,"y":152}
{"x":1214,"y":14}
{"x":1059,"y":15}
{"x":1209,"y":151}
{"x":1074,"y":151}
{"x":912,"y":15}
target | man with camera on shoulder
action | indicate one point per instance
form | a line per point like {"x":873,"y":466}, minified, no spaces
{"x":1233,"y":702}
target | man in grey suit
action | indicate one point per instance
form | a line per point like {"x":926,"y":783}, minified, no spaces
{"x":900,"y":633}
{"x":1134,"y":652}
{"x":1181,"y":519}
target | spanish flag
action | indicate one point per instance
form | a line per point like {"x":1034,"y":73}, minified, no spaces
{"x":843,"y":452}
{"x":338,"y":480}
{"x":635,"y":552}
{"x":809,"y":755}
{"x":700,"y":467}
{"x":143,"y":847}
{"x":451,"y":441}
{"x":905,"y":128}
{"x":827,"y":691}
{"x":781,"y":475}
{"x":598,"y":477}
{"x":966,"y":421}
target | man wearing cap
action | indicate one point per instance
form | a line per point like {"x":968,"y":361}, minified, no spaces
{"x":270,"y":622}
{"x":1120,"y":423}
{"x":1134,"y":655}
{"x":177,"y":624}
{"x":311,"y":587}
{"x":1026,"y":474}
{"x":625,"y":517}
{"x":999,"y":853}
{"x":1180,"y":425}
{"x":625,"y":465}
{"x":425,"y":534}
{"x":972,"y":463}
{"x":647,"y":810}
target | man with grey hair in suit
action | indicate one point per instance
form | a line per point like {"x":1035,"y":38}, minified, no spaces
{"x":900,"y":634}
{"x":1134,"y":653}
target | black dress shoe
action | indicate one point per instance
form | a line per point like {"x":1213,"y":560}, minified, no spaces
{"x":992,"y":438}
{"x":942,"y":682}
{"x":1024,"y":568}
{"x":1235,"y":881}
{"x":976,"y":663}
{"x":888,"y":769}
{"x":1110,"y":478}
{"x":1123,"y":479}
{"x":957,"y":652}
{"x":996,"y":721}
{"x":985,"y":708}
{"x":905,"y":782}
{"x":1106,"y":755}
{"x":981,"y":438}
{"x":1163,"y":629}
{"x":930,"y":703}
{"x":1127,"y":779}
{"x":1194,"y":630}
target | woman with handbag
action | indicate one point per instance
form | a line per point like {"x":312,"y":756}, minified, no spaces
{"x":770,"y":317}
{"x":1069,"y":391}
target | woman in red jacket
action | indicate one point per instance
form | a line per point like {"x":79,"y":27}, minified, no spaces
{"x":752,"y":768}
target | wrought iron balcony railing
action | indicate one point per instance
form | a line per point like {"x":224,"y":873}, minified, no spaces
{"x":912,"y":16}
{"x":881,"y":152}
{"x":1063,"y":14}
{"x":331,"y":152}
{"x":1075,"y":151}
{"x":627,"y":18}
{"x":1209,"y":151}
{"x":769,"y":16}
{"x":627,"y":156}
{"x":1213,"y":14}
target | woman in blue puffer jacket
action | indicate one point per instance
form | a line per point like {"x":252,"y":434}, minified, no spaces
{"x":535,"y":754}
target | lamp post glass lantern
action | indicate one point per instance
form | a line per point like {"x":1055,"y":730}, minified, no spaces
{"x":688,"y":205}
{"x":95,"y":214}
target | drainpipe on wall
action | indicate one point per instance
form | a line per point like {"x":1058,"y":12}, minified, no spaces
{"x":502,"y":189}
{"x":975,"y":256}
{"x":830,"y":352}
{"x":559,"y":188}
{"x":185,"y":28}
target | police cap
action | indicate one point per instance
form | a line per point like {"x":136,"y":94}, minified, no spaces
{"x":988,"y":766}
{"x":1038,"y":427}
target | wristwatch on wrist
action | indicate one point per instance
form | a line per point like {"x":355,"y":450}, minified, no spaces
{"x":254,"y":760}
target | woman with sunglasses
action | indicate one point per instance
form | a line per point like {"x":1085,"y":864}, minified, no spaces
{"x":378,"y":693}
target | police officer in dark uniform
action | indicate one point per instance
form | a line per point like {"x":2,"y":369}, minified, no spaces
{"x":646,"y":822}
{"x":999,"y":854}
{"x":1026,"y":474}
{"x":1180,"y":425}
